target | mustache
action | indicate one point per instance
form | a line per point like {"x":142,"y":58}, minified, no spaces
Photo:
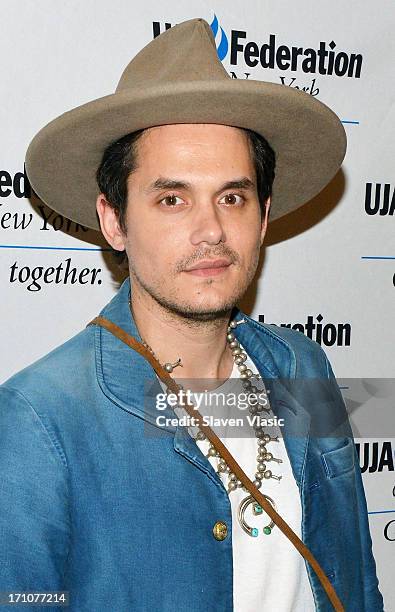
{"x":217,"y":252}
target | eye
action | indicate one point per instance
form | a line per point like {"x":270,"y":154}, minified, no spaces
{"x":233,"y":199}
{"x":170,"y":200}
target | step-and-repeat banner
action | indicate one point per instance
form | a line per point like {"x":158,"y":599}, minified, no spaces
{"x":328,"y":270}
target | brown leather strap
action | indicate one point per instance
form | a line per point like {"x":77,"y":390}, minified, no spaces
{"x":228,"y":458}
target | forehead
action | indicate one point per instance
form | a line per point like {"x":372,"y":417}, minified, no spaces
{"x":190,"y":143}
{"x":194,"y":130}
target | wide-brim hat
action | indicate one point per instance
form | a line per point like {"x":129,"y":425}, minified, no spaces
{"x":178,"y":78}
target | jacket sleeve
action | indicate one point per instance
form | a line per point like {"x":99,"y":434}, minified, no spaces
{"x":373,"y":597}
{"x":34,"y":514}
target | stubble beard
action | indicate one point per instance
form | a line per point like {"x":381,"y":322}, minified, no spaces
{"x":190,"y":313}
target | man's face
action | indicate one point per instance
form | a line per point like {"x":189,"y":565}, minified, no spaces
{"x":193,"y":204}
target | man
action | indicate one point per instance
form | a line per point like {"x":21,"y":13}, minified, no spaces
{"x":99,"y":499}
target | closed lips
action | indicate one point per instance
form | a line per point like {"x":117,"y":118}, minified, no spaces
{"x":217,"y":263}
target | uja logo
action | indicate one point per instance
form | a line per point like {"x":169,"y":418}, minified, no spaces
{"x":326,"y":59}
{"x":383,"y":200}
{"x":223,"y":46}
{"x":375,"y":457}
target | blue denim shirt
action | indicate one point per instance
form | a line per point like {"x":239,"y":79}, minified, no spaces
{"x":98,"y":500}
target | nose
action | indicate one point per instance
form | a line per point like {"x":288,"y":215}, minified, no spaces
{"x":207,"y":225}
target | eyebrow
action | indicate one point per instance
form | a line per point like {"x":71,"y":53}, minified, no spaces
{"x":162,"y":183}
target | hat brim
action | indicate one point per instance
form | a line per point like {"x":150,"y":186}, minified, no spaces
{"x":308,"y":138}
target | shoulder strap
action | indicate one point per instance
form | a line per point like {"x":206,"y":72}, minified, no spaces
{"x":225,"y":454}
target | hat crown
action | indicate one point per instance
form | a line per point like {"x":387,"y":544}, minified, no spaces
{"x":185,"y":52}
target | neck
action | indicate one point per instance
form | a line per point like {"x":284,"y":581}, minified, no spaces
{"x":201,"y":345}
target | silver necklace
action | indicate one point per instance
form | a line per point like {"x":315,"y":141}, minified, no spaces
{"x":263,"y":438}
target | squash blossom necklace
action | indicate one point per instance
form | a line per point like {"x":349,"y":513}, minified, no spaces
{"x":262,"y":472}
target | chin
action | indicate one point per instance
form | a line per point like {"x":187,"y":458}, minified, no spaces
{"x":208,"y":310}
{"x":205,"y":303}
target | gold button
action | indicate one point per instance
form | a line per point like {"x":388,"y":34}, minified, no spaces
{"x":220,"y":530}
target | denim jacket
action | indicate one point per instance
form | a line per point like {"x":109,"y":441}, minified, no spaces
{"x":98,"y":500}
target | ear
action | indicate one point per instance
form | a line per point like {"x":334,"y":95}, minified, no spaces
{"x":109,"y":223}
{"x":265,"y":218}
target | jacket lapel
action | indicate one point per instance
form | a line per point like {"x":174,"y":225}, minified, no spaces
{"x":124,"y":376}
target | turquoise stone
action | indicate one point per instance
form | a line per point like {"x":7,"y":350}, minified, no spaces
{"x":254,"y":532}
{"x":267,"y":530}
{"x":257,"y":509}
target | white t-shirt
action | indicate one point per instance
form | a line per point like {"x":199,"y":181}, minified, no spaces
{"x":269,"y":574}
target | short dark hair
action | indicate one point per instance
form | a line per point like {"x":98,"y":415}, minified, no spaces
{"x":120,"y":160}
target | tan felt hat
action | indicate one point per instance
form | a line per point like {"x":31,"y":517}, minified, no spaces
{"x":178,"y":78}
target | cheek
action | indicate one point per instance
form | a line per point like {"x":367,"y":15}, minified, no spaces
{"x":139,"y":247}
{"x":153,"y":251}
{"x":246,"y":243}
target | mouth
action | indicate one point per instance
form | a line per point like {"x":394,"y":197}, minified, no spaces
{"x":209,"y":267}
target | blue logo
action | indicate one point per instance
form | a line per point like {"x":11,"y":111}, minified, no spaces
{"x":222,"y":48}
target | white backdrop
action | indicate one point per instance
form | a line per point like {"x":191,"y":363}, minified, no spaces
{"x":334,"y":259}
